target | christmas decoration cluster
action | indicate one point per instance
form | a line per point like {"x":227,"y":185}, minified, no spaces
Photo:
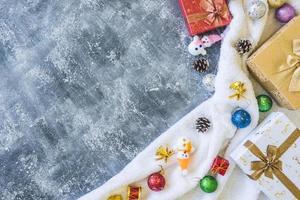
{"x":196,"y":19}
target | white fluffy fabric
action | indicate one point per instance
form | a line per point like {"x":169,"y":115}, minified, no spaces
{"x":218,"y":109}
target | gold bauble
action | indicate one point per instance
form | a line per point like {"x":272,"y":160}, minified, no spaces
{"x":115,"y":197}
{"x":276,"y":3}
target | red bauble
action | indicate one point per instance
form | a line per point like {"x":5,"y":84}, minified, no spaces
{"x":156,"y":182}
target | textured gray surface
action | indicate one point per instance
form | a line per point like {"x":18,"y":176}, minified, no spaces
{"x":85,"y":85}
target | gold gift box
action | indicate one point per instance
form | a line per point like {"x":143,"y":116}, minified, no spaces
{"x":267,"y":62}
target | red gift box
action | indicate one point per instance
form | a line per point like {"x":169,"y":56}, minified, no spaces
{"x":220,"y":166}
{"x":204,"y":15}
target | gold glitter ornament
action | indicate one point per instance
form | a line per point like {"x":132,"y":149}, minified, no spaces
{"x":115,"y":197}
{"x":239,"y":88}
{"x":276,"y":3}
{"x":163,"y":153}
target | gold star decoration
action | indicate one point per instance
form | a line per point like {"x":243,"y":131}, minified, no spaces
{"x":163,"y":153}
{"x":239,"y":88}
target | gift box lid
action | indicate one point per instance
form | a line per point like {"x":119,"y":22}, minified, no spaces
{"x":265,"y":64}
{"x":204,"y":15}
{"x":257,"y":133}
{"x":275,"y":131}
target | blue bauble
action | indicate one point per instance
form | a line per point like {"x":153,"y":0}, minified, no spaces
{"x":241,"y":118}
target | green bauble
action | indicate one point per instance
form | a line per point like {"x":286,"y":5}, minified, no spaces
{"x":208,"y":184}
{"x":264,"y":103}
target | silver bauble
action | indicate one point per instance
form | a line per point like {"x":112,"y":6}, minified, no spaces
{"x":209,"y":82}
{"x":257,"y":10}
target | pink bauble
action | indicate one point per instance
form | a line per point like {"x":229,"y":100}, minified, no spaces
{"x":285,"y":13}
{"x":156,"y":182}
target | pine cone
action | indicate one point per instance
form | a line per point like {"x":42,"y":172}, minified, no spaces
{"x":202,"y":124}
{"x":201,"y":65}
{"x":243,"y":46}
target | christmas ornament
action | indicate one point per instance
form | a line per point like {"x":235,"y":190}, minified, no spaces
{"x":115,"y":197}
{"x":164,"y":153}
{"x":264,"y":103}
{"x":239,"y":88}
{"x":134,"y":193}
{"x":243,"y":46}
{"x":184,"y":151}
{"x":241,"y":118}
{"x":257,"y":9}
{"x":208,"y":184}
{"x":209,"y":82}
{"x":202,"y":124}
{"x":156,"y":181}
{"x":276,"y":3}
{"x":201,"y":65}
{"x":219,"y":166}
{"x":198,"y":45}
{"x":285,"y":13}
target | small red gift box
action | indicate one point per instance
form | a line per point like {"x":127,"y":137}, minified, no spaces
{"x":204,"y":15}
{"x":219,"y":166}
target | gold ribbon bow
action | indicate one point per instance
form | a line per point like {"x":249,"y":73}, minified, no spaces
{"x":291,"y":68}
{"x":239,"y":88}
{"x":215,"y":11}
{"x":163,"y":153}
{"x":270,"y":165}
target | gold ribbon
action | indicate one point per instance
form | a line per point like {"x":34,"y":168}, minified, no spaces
{"x":215,"y":11}
{"x":291,"y":68}
{"x":239,"y":88}
{"x":270,"y":165}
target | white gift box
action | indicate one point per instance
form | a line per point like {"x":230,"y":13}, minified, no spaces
{"x":270,"y":156}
